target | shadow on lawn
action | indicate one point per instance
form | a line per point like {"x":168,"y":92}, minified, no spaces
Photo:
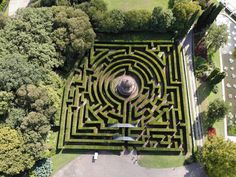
{"x":203,"y":91}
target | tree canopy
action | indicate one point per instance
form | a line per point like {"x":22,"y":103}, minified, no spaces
{"x":13,"y":158}
{"x":218,"y":156}
{"x":217,"y":110}
{"x":216,"y":37}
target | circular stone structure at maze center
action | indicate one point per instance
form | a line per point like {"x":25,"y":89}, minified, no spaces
{"x":127,"y":86}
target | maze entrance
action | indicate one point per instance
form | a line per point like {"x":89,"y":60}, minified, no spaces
{"x":127,"y":94}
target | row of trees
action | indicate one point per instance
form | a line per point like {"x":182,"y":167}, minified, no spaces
{"x":36,"y":47}
{"x":179,"y":18}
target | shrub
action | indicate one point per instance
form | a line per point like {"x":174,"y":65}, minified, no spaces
{"x":42,"y":168}
{"x":162,"y":19}
{"x":137,"y":20}
{"x":113,"y":21}
{"x":211,"y":132}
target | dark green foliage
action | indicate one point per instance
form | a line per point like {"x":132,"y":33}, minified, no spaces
{"x":215,"y":72}
{"x":6,"y":99}
{"x":202,"y":66}
{"x":42,"y":168}
{"x":218,"y":78}
{"x":73,"y":33}
{"x":216,"y":37}
{"x":162,"y":19}
{"x":16,"y":71}
{"x":137,"y":20}
{"x":183,"y":12}
{"x":216,"y":111}
{"x":95,"y":10}
{"x":15,"y":114}
{"x":208,"y":16}
{"x":32,"y":98}
{"x":113,"y":21}
{"x":218,"y":157}
{"x":34,"y":127}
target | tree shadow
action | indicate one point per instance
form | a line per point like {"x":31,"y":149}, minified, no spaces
{"x":203,"y":91}
{"x":195,"y":170}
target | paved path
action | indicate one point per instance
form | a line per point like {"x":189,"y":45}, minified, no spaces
{"x":14,"y":5}
{"x":229,"y":66}
{"x":196,"y":122}
{"x":117,"y":166}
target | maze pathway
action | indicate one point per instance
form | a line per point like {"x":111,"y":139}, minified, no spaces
{"x":155,"y":118}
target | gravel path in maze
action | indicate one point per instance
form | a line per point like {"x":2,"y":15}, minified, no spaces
{"x":120,"y":166}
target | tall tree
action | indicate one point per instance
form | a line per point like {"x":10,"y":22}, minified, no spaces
{"x":162,"y":19}
{"x":137,"y":20}
{"x":216,"y":111}
{"x":13,"y":158}
{"x":113,"y":21}
{"x":216,"y":37}
{"x":16,"y":71}
{"x":218,"y":157}
{"x":6,"y":99}
{"x":183,"y":12}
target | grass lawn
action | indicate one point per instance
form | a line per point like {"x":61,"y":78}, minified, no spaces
{"x":206,"y":96}
{"x":136,"y":4}
{"x":61,"y":159}
{"x":161,"y":161}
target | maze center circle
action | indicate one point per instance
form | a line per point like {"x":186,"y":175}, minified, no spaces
{"x":126,"y":86}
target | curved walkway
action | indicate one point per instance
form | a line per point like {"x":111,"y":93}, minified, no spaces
{"x":119,"y":166}
{"x":14,"y":5}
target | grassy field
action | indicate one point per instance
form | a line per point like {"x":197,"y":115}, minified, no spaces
{"x":61,"y":159}
{"x":207,"y":96}
{"x":161,"y":161}
{"x":135,"y":4}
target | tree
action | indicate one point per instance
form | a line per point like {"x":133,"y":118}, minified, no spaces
{"x":35,"y":127}
{"x":13,"y":158}
{"x":216,"y":111}
{"x":218,"y":78}
{"x":215,"y":72}
{"x":32,"y":98}
{"x":15,"y":114}
{"x":216,"y":37}
{"x":35,"y":122}
{"x":95,"y":10}
{"x":137,"y":20}
{"x":113,"y":21}
{"x":218,"y":157}
{"x":73,"y":33}
{"x":16,"y":71}
{"x":29,"y":34}
{"x":183,"y":11}
{"x":6,"y":99}
{"x":162,"y":19}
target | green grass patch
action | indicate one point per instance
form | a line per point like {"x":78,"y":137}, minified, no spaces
{"x":136,"y":4}
{"x":61,"y":159}
{"x":205,"y":96}
{"x":161,"y":161}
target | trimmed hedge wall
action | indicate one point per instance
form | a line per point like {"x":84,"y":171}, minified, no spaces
{"x":91,"y":103}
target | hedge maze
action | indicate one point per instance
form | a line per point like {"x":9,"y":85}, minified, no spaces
{"x":127,"y":95}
